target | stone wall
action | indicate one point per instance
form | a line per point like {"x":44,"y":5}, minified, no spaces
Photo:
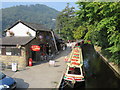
{"x":20,"y":60}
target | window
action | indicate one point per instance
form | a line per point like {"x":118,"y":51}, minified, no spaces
{"x":11,"y":51}
{"x":16,"y":51}
{"x":8,"y":51}
{"x":3,"y":51}
{"x":74,"y":71}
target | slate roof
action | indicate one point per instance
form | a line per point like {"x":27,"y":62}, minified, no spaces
{"x":16,"y":40}
{"x":34,"y":26}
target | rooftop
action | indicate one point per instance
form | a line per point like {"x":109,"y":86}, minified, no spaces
{"x":34,"y":26}
{"x":15,"y":40}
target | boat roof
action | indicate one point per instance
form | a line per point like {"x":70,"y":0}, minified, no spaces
{"x":75,"y":59}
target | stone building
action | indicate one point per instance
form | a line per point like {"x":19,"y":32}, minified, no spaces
{"x":16,"y":46}
{"x":16,"y":50}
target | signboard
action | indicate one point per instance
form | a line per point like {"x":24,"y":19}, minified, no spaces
{"x":51,"y":62}
{"x":14,"y":66}
{"x":8,"y":53}
{"x":35,"y":48}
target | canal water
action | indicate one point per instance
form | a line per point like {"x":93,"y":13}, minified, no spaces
{"x":97,"y":73}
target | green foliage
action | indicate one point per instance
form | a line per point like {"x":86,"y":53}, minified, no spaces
{"x":38,"y":13}
{"x":66,"y":23}
{"x":101,"y":20}
{"x":79,"y":32}
{"x":115,"y":58}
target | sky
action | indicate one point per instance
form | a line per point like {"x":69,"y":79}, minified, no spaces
{"x":56,"y":4}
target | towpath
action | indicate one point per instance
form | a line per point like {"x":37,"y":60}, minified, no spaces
{"x":43,"y":75}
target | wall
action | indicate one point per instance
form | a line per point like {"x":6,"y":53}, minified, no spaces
{"x":20,"y":60}
{"x":21,"y":30}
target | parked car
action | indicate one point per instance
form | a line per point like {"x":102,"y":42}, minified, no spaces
{"x":6,"y":82}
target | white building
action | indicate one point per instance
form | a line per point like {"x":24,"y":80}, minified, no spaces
{"x":22,"y":29}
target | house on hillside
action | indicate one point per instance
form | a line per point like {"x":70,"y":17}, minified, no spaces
{"x":20,"y":37}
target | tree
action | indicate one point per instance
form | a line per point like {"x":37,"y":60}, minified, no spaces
{"x":65,"y":22}
{"x":101,"y":20}
{"x":38,"y":13}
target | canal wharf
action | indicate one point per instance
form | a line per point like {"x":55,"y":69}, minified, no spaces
{"x":43,"y":75}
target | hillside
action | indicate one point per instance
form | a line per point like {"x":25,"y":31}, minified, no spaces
{"x":38,"y":13}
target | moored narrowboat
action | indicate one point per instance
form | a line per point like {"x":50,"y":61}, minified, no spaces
{"x":74,"y":74}
{"x":75,"y":71}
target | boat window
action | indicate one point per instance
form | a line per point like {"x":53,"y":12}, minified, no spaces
{"x":74,"y":71}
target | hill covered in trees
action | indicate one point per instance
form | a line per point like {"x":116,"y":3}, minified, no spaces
{"x":38,"y":13}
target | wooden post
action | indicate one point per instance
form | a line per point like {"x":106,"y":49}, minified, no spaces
{"x":54,"y":40}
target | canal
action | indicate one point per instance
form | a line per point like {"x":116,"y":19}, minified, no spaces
{"x":97,"y":73}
